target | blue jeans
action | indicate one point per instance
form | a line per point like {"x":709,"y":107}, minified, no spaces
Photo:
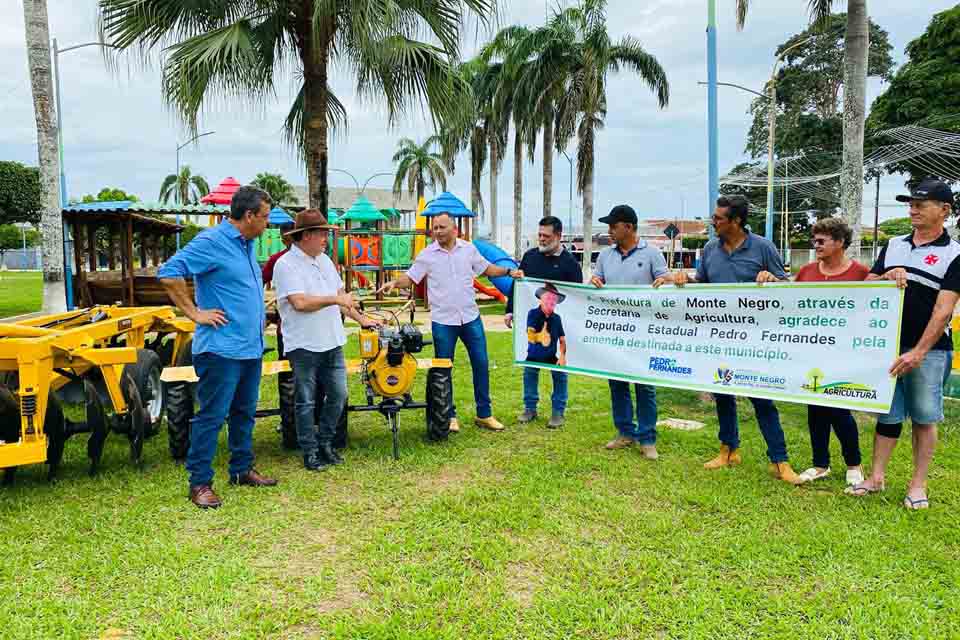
{"x":767,"y":416}
{"x":644,"y":430}
{"x":472,"y":336}
{"x":320,"y":379}
{"x":531,"y":390}
{"x":228,"y":390}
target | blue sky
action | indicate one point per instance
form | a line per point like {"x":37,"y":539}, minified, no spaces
{"x":118,"y":131}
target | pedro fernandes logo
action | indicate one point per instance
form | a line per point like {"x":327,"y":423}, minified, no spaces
{"x":816,"y":384}
{"x":669,"y":366}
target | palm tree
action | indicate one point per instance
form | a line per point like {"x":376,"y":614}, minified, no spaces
{"x":468,"y":130}
{"x":51,"y":226}
{"x":241,"y":49}
{"x":856,"y":52}
{"x":420,"y":166}
{"x":185,"y":188}
{"x":582,"y":107}
{"x":277,"y":186}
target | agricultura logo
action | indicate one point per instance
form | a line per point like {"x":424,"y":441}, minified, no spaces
{"x":816,"y":384}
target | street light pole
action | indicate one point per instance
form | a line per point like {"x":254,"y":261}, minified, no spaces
{"x":67,"y":271}
{"x":177,"y":177}
{"x":712,"y":123}
{"x":772,"y":106}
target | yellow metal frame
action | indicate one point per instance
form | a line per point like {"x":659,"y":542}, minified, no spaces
{"x":955,"y":325}
{"x":71,"y":342}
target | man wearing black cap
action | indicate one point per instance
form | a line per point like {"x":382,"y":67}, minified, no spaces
{"x":631,"y":261}
{"x":927,"y":263}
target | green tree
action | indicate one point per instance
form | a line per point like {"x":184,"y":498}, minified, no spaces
{"x":419,"y":166}
{"x":277,"y":186}
{"x":242,"y":49}
{"x":110,"y":194}
{"x":896,"y":226}
{"x":582,"y":109}
{"x":185,"y":188}
{"x":20,"y":197}
{"x":809,"y":90}
{"x":856,"y":47}
{"x":924,"y":91}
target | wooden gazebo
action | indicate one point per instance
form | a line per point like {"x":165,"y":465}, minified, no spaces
{"x":124,"y":271}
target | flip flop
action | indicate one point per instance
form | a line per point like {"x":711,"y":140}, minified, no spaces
{"x":916,"y":505}
{"x":861,"y":490}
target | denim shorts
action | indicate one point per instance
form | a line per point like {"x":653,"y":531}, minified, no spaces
{"x":919,"y":394}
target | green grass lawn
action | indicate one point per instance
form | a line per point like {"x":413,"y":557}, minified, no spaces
{"x":20,"y":292}
{"x":528,"y":533}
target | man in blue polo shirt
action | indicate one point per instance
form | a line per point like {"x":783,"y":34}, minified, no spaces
{"x":631,"y":261}
{"x":228,"y":341}
{"x":737,"y":255}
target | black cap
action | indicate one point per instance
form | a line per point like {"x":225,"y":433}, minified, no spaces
{"x":620,"y":213}
{"x":929,"y":189}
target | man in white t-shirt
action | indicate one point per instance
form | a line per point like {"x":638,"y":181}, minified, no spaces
{"x":310,"y":295}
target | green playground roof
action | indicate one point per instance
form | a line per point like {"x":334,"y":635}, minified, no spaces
{"x":363,"y":211}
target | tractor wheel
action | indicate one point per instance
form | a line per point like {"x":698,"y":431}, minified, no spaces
{"x":180,"y":407}
{"x":146,"y":376}
{"x":439,"y":403}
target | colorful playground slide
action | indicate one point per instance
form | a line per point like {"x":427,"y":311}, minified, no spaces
{"x":495,"y":255}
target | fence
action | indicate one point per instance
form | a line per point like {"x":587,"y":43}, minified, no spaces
{"x":21,"y":260}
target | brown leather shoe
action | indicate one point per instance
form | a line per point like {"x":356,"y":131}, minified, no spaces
{"x":203,"y":496}
{"x":253,"y":478}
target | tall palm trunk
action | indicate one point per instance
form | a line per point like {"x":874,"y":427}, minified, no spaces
{"x":856,"y":51}
{"x":547,"y":167}
{"x":316,"y":56}
{"x":51,"y":226}
{"x":494,"y":177}
{"x":585,"y":170}
{"x":477,"y":143}
{"x":517,"y":192}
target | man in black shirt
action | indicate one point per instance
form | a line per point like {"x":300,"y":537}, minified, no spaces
{"x":927,"y":263}
{"x":548,"y":261}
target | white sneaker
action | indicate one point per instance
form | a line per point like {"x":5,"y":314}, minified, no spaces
{"x":812,"y":474}
{"x":854,"y":477}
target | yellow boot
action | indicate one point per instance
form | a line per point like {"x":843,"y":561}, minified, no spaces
{"x":783,"y":471}
{"x":726,"y":458}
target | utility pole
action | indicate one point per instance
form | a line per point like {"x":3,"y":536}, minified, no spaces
{"x":712,"y":126}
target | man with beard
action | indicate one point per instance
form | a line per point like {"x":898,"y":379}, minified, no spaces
{"x":547,"y":261}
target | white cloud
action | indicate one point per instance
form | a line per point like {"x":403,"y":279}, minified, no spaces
{"x":118,"y":131}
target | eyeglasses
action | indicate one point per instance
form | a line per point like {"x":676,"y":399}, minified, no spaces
{"x":718,"y":219}
{"x":818,"y":241}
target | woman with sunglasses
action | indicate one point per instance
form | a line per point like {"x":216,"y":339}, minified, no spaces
{"x":831,"y":237}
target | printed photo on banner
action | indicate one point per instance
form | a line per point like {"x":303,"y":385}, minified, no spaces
{"x":546,"y":340}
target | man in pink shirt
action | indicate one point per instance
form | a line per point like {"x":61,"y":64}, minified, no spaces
{"x":451,"y":265}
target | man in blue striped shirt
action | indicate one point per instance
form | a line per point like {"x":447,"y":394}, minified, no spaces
{"x":228,"y":341}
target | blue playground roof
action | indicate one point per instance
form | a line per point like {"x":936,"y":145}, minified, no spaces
{"x":446,"y":202}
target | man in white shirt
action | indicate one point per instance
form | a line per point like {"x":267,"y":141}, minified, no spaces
{"x":310,"y":295}
{"x":451,"y":265}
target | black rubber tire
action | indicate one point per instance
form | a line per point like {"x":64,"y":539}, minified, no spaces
{"x":180,"y":406}
{"x":439,"y":403}
{"x":145,"y":373}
